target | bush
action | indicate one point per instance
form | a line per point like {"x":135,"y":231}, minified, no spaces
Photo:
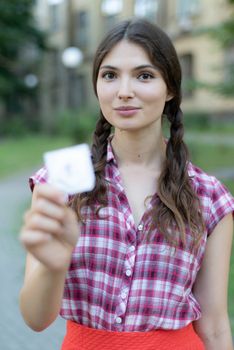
{"x":15,"y":126}
{"x":197,"y":120}
{"x":78,"y":125}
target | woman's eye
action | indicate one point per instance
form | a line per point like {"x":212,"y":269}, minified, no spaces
{"x":108,"y":75}
{"x":145,"y":76}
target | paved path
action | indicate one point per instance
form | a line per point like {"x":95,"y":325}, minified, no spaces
{"x":14,"y":334}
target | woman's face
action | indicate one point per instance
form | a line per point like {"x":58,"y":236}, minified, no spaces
{"x":130,"y":89}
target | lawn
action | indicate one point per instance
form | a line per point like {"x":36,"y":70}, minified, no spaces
{"x":23,"y":153}
{"x":211,"y":157}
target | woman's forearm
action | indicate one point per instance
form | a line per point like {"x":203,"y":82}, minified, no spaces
{"x":222,"y":341}
{"x":217,"y":337}
{"x":41,"y":297}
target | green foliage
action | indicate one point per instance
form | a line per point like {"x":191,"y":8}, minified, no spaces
{"x":17,"y":33}
{"x":78,"y":125}
{"x":16,"y":127}
{"x":223,"y":32}
{"x":210,"y":157}
{"x":26,"y":152}
{"x":197,"y":120}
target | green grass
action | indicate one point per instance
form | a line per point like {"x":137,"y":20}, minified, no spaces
{"x":23,"y":153}
{"x":230,"y":185}
{"x":211,"y":157}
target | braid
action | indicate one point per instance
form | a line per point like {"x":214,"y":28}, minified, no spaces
{"x":177,"y":151}
{"x":99,"y":146}
{"x":178,"y":204}
{"x":99,"y":151}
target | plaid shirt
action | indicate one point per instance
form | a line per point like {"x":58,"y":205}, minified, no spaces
{"x":117,"y":280}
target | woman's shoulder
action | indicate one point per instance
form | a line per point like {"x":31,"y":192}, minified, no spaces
{"x":215,"y":198}
{"x":205,"y":184}
{"x":39,"y":177}
{"x":202,"y":178}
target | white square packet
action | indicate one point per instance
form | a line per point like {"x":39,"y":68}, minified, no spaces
{"x":70,"y":169}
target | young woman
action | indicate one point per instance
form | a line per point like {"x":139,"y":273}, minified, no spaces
{"x":145,"y":265}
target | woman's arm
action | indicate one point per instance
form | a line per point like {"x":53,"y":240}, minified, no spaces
{"x":49,"y":234}
{"x":211,"y":288}
{"x":41,"y":295}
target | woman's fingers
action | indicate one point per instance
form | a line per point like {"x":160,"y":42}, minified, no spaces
{"x":49,"y":216}
{"x":38,"y":222}
{"x":49,"y":193}
{"x":50,"y":209}
{"x":47,"y":212}
{"x":32,"y":238}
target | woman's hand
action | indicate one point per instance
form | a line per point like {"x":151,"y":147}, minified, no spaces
{"x":51,"y":229}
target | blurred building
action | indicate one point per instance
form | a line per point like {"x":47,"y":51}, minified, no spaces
{"x":82,"y":23}
{"x":53,"y":17}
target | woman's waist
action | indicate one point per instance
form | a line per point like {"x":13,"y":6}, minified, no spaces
{"x":80,"y":337}
{"x":124,"y":317}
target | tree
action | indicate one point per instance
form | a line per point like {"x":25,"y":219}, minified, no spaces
{"x":18,"y":35}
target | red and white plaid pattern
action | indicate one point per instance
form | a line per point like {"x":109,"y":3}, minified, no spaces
{"x":117,"y":280}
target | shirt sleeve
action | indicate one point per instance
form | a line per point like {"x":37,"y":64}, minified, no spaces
{"x":222,"y":203}
{"x":40,"y":177}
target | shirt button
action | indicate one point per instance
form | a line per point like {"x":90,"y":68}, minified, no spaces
{"x":128,"y":273}
{"x":118,"y":320}
{"x":140,"y":227}
{"x":132,"y":248}
{"x":123,"y":295}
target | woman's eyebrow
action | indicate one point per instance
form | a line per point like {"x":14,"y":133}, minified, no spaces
{"x":108,"y":67}
{"x":143,"y":66}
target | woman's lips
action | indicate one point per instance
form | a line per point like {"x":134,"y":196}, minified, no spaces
{"x":127,"y":111}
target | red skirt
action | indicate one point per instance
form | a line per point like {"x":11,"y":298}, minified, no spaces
{"x":80,"y":337}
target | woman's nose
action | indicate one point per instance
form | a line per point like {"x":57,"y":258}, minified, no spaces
{"x":125,"y":90}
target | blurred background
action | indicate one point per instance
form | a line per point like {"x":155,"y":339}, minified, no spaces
{"x":47,"y":102}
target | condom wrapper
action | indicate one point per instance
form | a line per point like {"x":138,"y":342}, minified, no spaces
{"x":70,"y":169}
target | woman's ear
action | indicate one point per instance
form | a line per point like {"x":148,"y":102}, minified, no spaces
{"x":169,"y":97}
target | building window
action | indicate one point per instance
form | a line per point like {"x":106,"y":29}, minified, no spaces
{"x":82,"y":29}
{"x":54,"y":17}
{"x":185,"y":12}
{"x":55,"y":82}
{"x":76,"y":90}
{"x":146,"y":8}
{"x":187,"y":65}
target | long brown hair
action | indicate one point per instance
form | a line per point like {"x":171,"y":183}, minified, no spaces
{"x":178,"y":205}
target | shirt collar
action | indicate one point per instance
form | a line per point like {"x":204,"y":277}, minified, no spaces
{"x":191,"y":171}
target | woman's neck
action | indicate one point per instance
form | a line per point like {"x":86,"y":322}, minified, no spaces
{"x":143,"y":149}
